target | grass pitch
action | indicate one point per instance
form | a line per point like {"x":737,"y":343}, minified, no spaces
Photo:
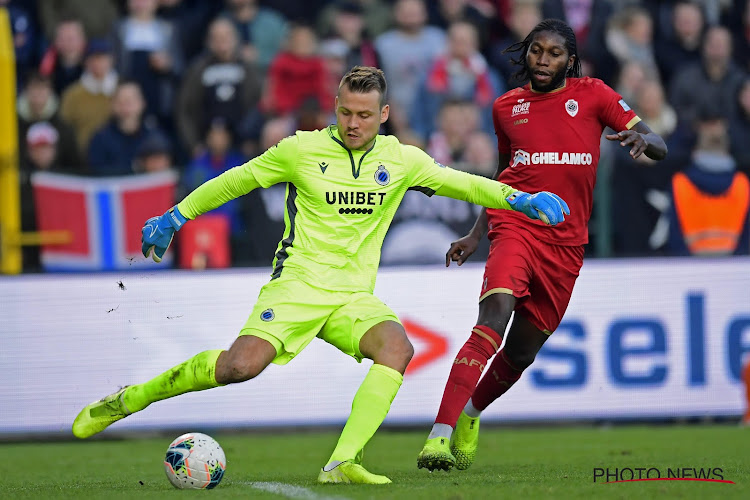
{"x":526,"y":463}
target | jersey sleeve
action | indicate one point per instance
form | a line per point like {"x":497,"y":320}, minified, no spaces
{"x":274,"y":166}
{"x":431,"y":177}
{"x":425,"y":173}
{"x":614,"y":111}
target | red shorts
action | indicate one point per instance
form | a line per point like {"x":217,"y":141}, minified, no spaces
{"x":541,"y":276}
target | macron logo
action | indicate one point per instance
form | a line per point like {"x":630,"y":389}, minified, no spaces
{"x":323,"y":166}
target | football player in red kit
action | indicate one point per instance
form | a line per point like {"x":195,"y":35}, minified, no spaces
{"x":548,"y":135}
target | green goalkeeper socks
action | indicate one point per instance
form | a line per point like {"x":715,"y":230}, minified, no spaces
{"x":369,"y":408}
{"x":196,"y":374}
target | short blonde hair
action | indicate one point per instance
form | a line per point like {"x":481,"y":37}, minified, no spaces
{"x":364,"y":79}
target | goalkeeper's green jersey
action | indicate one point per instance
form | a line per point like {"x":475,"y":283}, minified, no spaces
{"x":340,"y":202}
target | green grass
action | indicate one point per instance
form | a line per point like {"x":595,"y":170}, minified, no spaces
{"x":517,"y":463}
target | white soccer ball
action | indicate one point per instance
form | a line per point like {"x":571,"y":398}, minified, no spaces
{"x":195,"y":461}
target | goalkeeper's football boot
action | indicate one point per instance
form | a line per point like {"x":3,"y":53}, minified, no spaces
{"x":436,"y":454}
{"x":349,"y":472}
{"x":465,"y":441}
{"x":100,"y":414}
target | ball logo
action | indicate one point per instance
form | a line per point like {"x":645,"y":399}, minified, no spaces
{"x":571,"y":106}
{"x":267,"y":315}
{"x":382,"y":176}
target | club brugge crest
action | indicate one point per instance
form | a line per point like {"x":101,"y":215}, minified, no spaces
{"x":267,"y":315}
{"x":382,"y":176}
{"x":571,"y":106}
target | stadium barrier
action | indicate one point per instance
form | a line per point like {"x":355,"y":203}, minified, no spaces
{"x":642,"y":339}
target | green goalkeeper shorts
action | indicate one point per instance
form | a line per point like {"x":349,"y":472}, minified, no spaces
{"x":290,"y":313}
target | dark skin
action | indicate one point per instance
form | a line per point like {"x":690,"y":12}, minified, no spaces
{"x":548,"y":61}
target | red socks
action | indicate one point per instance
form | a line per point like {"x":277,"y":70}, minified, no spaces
{"x":467,"y":368}
{"x":746,"y":379}
{"x":500,"y":377}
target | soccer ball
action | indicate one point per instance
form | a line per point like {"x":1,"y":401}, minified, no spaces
{"x":195,"y":461}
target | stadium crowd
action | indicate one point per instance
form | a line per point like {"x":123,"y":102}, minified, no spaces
{"x":121,"y":87}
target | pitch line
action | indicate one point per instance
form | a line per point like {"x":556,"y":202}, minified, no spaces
{"x":290,"y":491}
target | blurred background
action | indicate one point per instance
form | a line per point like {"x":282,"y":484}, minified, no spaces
{"x":113,"y":110}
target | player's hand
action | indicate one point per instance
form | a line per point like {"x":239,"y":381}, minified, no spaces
{"x":635,"y":140}
{"x":157,"y":233}
{"x":462,"y":249}
{"x":544,"y":206}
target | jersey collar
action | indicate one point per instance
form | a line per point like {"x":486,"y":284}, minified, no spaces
{"x":333,"y":133}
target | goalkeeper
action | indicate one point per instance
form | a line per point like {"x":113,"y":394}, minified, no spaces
{"x":343,"y":186}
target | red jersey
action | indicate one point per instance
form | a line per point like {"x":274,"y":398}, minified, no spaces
{"x":553,"y":139}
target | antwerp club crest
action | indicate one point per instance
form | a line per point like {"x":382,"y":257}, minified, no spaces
{"x":571,"y":106}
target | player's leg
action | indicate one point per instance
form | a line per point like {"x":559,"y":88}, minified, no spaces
{"x":247,"y":357}
{"x":521,"y":346}
{"x":506,"y":277}
{"x":366,"y":328}
{"x":264,"y":338}
{"x":486,"y":337}
{"x":555,"y":272}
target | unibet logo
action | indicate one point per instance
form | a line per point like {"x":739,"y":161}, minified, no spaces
{"x":359,"y":199}
{"x":354,"y":198}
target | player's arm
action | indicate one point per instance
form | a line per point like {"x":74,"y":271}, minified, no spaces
{"x":271,"y":167}
{"x":461,"y":249}
{"x":642,"y":140}
{"x":544,"y":206}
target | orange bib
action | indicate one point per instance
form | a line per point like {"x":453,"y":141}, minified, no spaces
{"x":711,"y":224}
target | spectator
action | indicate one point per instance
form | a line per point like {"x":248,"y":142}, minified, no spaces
{"x":377,"y":15}
{"x":261,"y":30}
{"x":462,"y":73}
{"x":710,"y":199}
{"x":219,"y":84}
{"x":444,"y":13}
{"x":42,"y":155}
{"x":190,"y":18}
{"x":739,"y":129}
{"x":87,"y":104}
{"x":39,"y":104}
{"x":406,"y":53}
{"x":26,"y":38}
{"x":154,"y":154}
{"x":480,"y":155}
{"x":296,"y":74}
{"x":112,"y":149}
{"x":262,"y":208}
{"x":629,"y":38}
{"x":63,"y":61}
{"x":348,"y":31}
{"x":521,"y":20}
{"x":588,"y":18}
{"x":631,"y":78}
{"x":457,"y":121}
{"x":147,"y":50}
{"x":713,"y":82}
{"x":219,"y":157}
{"x":739,"y":23}
{"x":639,"y":199}
{"x":683,"y":46}
{"x":96,"y":18}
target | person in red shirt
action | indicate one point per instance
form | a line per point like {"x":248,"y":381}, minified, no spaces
{"x":548,"y":135}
